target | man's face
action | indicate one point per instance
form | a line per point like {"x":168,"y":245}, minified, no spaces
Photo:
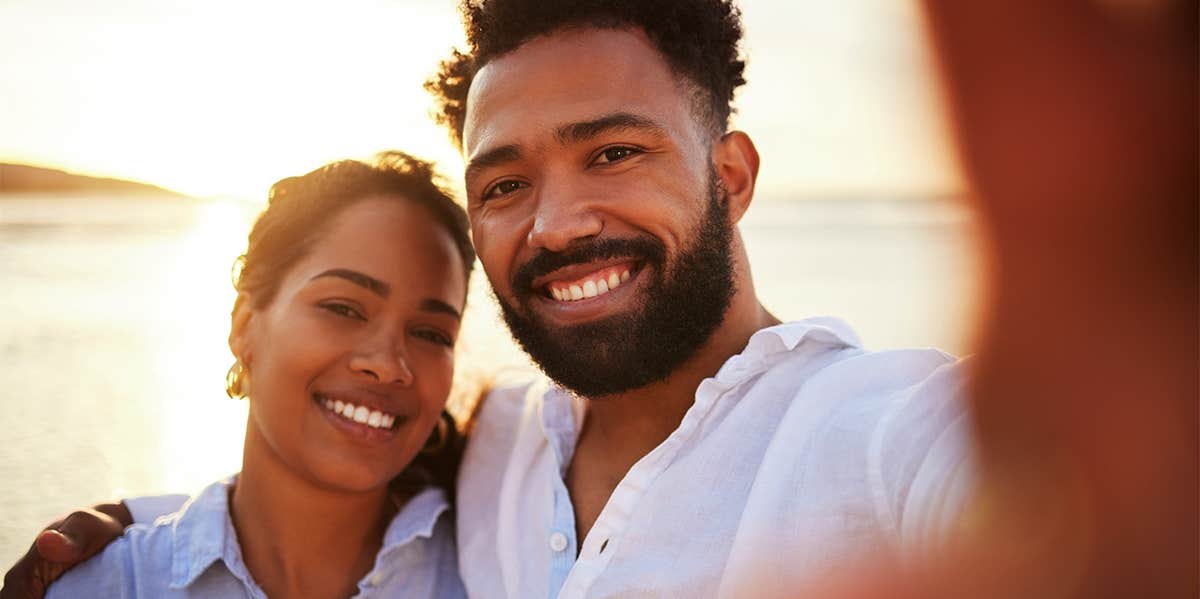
{"x":595,"y":210}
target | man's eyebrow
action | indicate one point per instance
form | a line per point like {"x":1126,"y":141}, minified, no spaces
{"x":493,"y":157}
{"x":433,"y":305}
{"x":362,"y":280}
{"x":618,"y":121}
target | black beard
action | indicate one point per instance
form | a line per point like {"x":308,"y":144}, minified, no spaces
{"x":683,"y":306}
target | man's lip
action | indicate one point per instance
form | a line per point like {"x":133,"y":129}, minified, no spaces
{"x":568,"y":313}
{"x":579,"y":270}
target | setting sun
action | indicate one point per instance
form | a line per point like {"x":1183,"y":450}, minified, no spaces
{"x":224,"y":98}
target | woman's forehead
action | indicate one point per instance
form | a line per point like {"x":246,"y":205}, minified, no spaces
{"x":392,"y":240}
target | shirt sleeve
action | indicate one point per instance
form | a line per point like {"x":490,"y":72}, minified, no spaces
{"x":929,"y":462}
{"x":104,"y":575}
{"x":147,"y":509}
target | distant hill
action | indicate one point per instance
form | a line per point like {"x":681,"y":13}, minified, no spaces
{"x":25,"y":178}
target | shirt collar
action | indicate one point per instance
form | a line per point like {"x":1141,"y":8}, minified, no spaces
{"x":203,"y":531}
{"x":562,"y":412}
{"x":416,"y":519}
{"x":772,"y":344}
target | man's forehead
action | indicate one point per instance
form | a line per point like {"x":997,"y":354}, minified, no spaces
{"x":564,"y":77}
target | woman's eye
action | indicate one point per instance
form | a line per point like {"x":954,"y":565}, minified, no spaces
{"x":344,"y":310}
{"x":616,"y":154}
{"x":503,"y":188}
{"x":435,"y":336}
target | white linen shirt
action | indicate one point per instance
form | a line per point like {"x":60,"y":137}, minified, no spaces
{"x":803,"y":452}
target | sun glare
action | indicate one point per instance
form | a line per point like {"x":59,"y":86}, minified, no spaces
{"x":226,"y":99}
{"x":222,"y":98}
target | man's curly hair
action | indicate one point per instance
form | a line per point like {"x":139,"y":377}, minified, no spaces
{"x":698,"y":38}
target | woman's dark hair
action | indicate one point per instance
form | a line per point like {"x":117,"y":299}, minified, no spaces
{"x":698,"y":38}
{"x":299,"y":209}
{"x":297,"y":213}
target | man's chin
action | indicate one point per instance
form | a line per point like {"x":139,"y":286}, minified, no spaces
{"x":591,"y":359}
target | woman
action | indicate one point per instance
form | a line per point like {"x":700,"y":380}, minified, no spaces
{"x":349,"y":299}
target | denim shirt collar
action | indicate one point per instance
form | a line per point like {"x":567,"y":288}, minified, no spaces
{"x":203,"y":532}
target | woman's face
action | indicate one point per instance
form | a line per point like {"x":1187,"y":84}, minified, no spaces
{"x":351,"y":362}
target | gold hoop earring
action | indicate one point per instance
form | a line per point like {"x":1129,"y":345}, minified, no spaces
{"x":235,"y":380}
{"x":440,"y":437}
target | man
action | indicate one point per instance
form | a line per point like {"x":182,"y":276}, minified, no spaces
{"x":691,"y":444}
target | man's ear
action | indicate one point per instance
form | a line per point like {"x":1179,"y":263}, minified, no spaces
{"x":239,"y":328}
{"x":736,"y":160}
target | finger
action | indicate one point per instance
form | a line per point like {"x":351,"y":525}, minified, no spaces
{"x":54,"y":546}
{"x":25,"y":579}
{"x":84,"y":533}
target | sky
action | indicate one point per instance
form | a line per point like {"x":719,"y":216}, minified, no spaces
{"x":221,"y":98}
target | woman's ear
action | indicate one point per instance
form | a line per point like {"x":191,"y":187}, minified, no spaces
{"x":736,"y":160}
{"x":239,"y":328}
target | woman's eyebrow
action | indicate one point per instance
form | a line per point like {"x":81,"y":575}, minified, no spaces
{"x":362,"y":280}
{"x":438,"y":306}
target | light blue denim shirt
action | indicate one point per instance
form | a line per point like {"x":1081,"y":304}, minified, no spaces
{"x":194,"y":553}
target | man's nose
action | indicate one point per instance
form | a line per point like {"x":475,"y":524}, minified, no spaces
{"x":562,"y":216}
{"x":384,"y":360}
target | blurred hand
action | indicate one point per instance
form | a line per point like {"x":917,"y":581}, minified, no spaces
{"x":65,"y":543}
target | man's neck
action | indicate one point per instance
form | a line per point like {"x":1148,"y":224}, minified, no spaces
{"x":619,"y":430}
{"x":654,"y":411}
{"x":298,"y":539}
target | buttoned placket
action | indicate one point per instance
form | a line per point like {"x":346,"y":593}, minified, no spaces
{"x":560,"y":423}
{"x":597,"y":551}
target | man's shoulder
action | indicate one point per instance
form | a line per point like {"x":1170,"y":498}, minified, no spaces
{"x":891,"y":404}
{"x":502,"y":409}
{"x":849,"y":371}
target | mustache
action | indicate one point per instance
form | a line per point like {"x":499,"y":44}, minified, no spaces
{"x":545,"y":261}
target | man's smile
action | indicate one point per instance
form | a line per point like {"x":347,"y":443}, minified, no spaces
{"x":585,"y":292}
{"x":585,"y":281}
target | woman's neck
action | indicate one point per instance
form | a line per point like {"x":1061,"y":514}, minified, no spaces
{"x":299,"y":539}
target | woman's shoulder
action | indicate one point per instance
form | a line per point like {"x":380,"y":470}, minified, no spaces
{"x":142,"y":555}
{"x":152,"y":559}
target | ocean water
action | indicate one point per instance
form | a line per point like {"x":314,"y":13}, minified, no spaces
{"x":114,"y":316}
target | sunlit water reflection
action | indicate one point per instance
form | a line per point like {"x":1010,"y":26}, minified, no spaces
{"x":115,"y":314}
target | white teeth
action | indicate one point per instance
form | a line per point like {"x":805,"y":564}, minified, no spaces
{"x":589,"y":288}
{"x":359,"y":414}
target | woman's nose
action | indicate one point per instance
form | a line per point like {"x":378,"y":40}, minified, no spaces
{"x":385,"y":363}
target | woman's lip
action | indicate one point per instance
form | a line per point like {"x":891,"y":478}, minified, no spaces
{"x":385,"y":399}
{"x":360,"y":431}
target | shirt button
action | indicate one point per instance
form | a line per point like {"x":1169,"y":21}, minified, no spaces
{"x":558,"y":541}
{"x":375,"y":579}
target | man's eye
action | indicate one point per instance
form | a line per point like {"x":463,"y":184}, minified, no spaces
{"x":504,"y":188}
{"x":615,"y":154}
